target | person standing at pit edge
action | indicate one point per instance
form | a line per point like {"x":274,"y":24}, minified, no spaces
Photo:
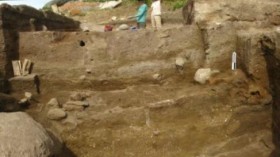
{"x":156,"y":14}
{"x":141,"y":14}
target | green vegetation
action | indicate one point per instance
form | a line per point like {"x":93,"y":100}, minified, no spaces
{"x":178,"y":4}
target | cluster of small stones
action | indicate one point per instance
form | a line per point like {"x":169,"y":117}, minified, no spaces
{"x":77,"y":102}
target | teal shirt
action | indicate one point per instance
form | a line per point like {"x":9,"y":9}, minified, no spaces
{"x":142,"y":13}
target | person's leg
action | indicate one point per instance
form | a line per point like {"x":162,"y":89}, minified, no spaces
{"x":141,"y":25}
{"x":158,"y":21}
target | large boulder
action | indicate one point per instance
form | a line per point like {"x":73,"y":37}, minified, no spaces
{"x":21,"y":136}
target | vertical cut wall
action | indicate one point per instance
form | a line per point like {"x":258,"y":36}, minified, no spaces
{"x":271,"y":49}
{"x":23,"y":18}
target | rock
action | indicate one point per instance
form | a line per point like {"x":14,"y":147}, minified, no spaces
{"x":77,"y":97}
{"x":123,"y":27}
{"x":156,"y":133}
{"x":157,"y":77}
{"x":56,"y":114}
{"x":69,"y":107}
{"x":82,"y":115}
{"x":24,"y":102}
{"x":53,"y":103}
{"x":162,"y":104}
{"x":109,"y":4}
{"x":202,"y":75}
{"x":75,"y":105}
{"x":85,"y":29}
{"x":44,"y":28}
{"x":83,"y":77}
{"x":114,"y":18}
{"x":180,"y":62}
{"x":28,"y":95}
{"x":21,"y":136}
{"x":70,"y":122}
{"x":88,"y":71}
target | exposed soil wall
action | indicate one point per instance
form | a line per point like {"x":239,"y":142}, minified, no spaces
{"x":113,"y":55}
{"x":270,"y":49}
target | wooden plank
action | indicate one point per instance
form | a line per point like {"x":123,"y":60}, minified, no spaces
{"x":26,"y":67}
{"x":16,"y":67}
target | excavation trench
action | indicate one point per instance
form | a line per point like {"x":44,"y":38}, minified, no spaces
{"x":150,"y":117}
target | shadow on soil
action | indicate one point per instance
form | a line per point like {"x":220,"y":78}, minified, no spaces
{"x":273,"y":68}
{"x":61,"y":149}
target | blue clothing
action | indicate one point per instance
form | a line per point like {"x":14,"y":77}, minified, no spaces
{"x":142,"y":13}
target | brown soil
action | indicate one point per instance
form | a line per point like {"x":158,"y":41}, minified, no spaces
{"x":133,"y":114}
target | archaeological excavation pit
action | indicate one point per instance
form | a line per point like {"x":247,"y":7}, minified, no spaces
{"x":121,"y":93}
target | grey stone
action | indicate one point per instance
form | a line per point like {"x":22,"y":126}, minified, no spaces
{"x":75,"y":105}
{"x":88,"y":71}
{"x":70,"y":122}
{"x":53,"y":103}
{"x":79,"y":103}
{"x":162,"y":104}
{"x":123,"y":27}
{"x":77,"y":97}
{"x":202,"y":75}
{"x":180,"y":62}
{"x":24,"y":101}
{"x":69,"y":107}
{"x":83,"y":77}
{"x":109,"y":4}
{"x":21,"y":136}
{"x":28,"y":95}
{"x":56,"y":114}
{"x":157,"y":77}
